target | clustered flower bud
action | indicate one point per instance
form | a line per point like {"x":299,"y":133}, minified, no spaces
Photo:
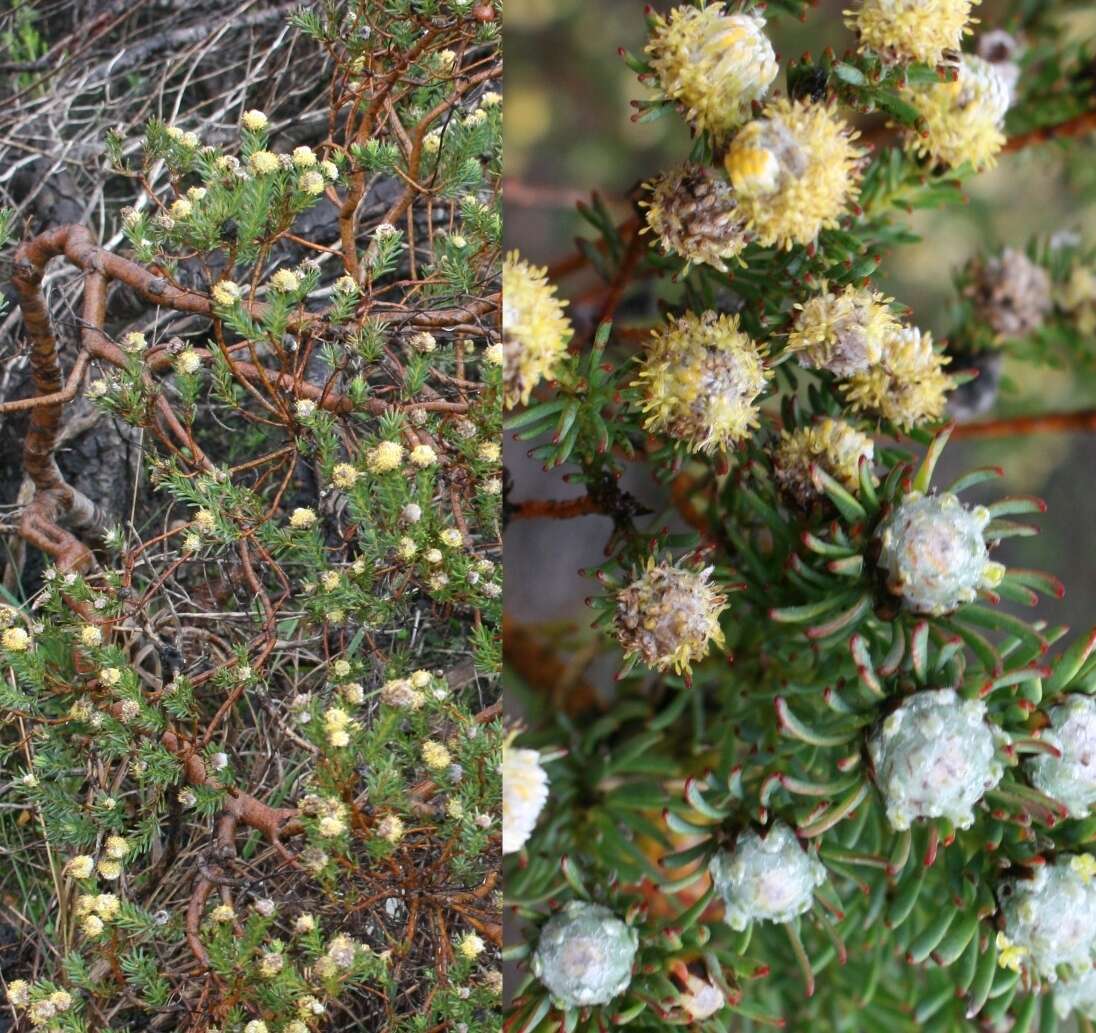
{"x":1011,"y":293}
{"x":1077,"y":994}
{"x":794,"y":171}
{"x":1071,"y":778}
{"x":1050,"y":919}
{"x":935,"y":757}
{"x":962,"y":118}
{"x":535,"y":331}
{"x":768,"y":878}
{"x":714,"y":65}
{"x":907,"y":386}
{"x":700,"y":381}
{"x":524,"y":794}
{"x":668,"y":616}
{"x":833,"y":445}
{"x":934,"y":554}
{"x":912,"y":30}
{"x":842,"y":333}
{"x":584,"y":955}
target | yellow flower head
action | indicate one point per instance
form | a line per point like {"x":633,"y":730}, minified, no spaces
{"x":385,"y":457}
{"x":109,"y":869}
{"x":181,"y":208}
{"x":694,"y":214}
{"x":263,"y":163}
{"x":302,"y":518}
{"x":535,"y":331}
{"x":470,"y":946}
{"x":81,"y":867}
{"x":423,"y":456}
{"x":908,"y":386}
{"x":842,"y":333}
{"x":15,"y":640}
{"x":390,"y":828}
{"x":714,"y":65}
{"x":833,"y":445}
{"x":344,"y":476}
{"x":303,"y":157}
{"x":285,"y":280}
{"x":226,"y":293}
{"x":911,"y":30}
{"x":254,"y":120}
{"x":188,"y":362}
{"x":700,"y":381}
{"x":434,"y":755}
{"x":962,"y":117}
{"x":668,"y":616}
{"x":794,"y":171}
{"x":312,"y":182}
{"x":91,"y":635}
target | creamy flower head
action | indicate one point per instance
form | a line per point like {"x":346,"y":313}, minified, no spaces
{"x":286,"y":281}
{"x":390,"y":828}
{"x":435,"y":756}
{"x":226,"y":293}
{"x":524,"y":794}
{"x":81,"y":867}
{"x":844,"y":332}
{"x":302,"y":517}
{"x":962,"y":117}
{"x":423,"y":456}
{"x":264,"y":162}
{"x":934,"y":554}
{"x":912,"y":30}
{"x":344,"y":476}
{"x":386,"y":456}
{"x":535,"y":331}
{"x":714,"y":65}
{"x":15,"y":640}
{"x":668,"y":616}
{"x":833,"y":445}
{"x":470,"y":946}
{"x":254,"y":120}
{"x":700,"y":381}
{"x":312,"y":182}
{"x":907,"y":386}
{"x":795,"y":170}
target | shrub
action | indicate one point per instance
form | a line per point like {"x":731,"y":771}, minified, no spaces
{"x":251,"y":731}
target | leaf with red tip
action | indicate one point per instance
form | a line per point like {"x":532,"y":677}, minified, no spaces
{"x":1066,"y":666}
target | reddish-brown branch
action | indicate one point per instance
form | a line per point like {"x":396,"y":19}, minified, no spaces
{"x":1048,"y":423}
{"x":1076,"y":126}
{"x":555,"y":509}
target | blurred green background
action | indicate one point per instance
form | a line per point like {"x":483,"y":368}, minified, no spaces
{"x":568,"y":131}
